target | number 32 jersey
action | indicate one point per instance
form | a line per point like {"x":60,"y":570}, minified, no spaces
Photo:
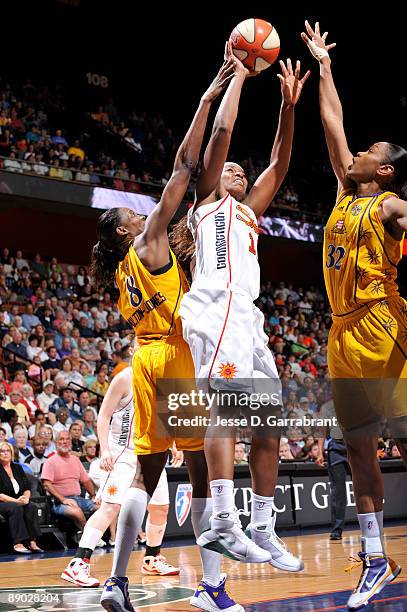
{"x":225,"y":234}
{"x":360,"y":256}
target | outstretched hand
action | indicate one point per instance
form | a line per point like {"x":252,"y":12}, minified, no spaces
{"x":315,"y":42}
{"x":291,"y":84}
{"x":226,"y":72}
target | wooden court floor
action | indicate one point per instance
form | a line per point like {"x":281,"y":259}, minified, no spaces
{"x":256,"y":587}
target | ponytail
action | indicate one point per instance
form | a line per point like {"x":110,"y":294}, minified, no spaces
{"x":397,"y":157}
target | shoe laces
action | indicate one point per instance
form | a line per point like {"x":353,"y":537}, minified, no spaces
{"x":223,"y":597}
{"x":354,"y":564}
{"x":163,"y":561}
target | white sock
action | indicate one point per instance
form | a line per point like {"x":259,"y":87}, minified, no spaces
{"x":222,"y":495}
{"x":201,"y":510}
{"x":371,"y":526}
{"x":154,"y":533}
{"x":128,"y":525}
{"x":262,"y":509}
{"x":90,"y":537}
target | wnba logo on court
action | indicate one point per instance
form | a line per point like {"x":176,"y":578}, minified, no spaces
{"x":183,"y":498}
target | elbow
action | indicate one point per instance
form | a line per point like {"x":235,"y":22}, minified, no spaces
{"x":221,"y":129}
{"x":186,"y":163}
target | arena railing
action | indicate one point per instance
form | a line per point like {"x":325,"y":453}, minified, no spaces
{"x":99,"y":397}
{"x":16,"y":358}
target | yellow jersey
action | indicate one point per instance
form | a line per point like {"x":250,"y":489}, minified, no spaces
{"x":360,"y":256}
{"x":150,"y":301}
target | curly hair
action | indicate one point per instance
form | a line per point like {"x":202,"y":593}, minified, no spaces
{"x":110,"y":249}
{"x":181,"y":241}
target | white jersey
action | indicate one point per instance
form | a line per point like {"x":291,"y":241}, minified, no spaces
{"x":225,"y":234}
{"x":121,"y":432}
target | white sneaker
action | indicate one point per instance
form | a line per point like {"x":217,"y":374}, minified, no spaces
{"x":158,"y":566}
{"x":78,"y":572}
{"x":214,"y":598}
{"x":101,"y":544}
{"x":266,"y":538}
{"x":377,"y":571}
{"x":227,"y":537}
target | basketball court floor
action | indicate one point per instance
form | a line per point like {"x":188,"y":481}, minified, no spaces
{"x":34,"y":584}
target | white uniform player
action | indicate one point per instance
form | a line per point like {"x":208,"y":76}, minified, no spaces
{"x":115,"y":430}
{"x":219,"y":307}
{"x":115,"y":483}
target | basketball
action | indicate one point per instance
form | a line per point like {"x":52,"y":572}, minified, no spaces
{"x":256,"y":43}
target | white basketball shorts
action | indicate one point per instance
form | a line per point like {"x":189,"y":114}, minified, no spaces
{"x":225,"y":332}
{"x":114,"y":484}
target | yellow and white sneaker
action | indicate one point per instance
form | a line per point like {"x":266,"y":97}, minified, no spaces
{"x":377,"y":571}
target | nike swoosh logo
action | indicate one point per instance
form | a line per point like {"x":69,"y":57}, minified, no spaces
{"x":370,"y":583}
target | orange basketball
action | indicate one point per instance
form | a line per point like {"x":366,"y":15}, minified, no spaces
{"x":256,"y":43}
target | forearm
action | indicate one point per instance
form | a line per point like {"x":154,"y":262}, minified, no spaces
{"x":188,"y":153}
{"x":49,"y":487}
{"x":27,"y":493}
{"x":6,"y":498}
{"x":329,"y":102}
{"x":90,"y":487}
{"x":281,"y":151}
{"x":103,"y":433}
{"x":227,"y":113}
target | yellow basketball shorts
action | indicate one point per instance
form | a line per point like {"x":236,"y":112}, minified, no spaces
{"x":367,"y":362}
{"x":156,"y":364}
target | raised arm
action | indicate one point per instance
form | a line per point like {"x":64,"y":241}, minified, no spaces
{"x":269,"y":181}
{"x":118,"y":388}
{"x":186,"y":159}
{"x":330,"y":105}
{"x":218,"y":145}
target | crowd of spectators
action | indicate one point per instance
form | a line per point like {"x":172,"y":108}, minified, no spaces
{"x":30,"y":144}
{"x":61,"y":342}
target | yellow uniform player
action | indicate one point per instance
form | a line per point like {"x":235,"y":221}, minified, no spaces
{"x":367,"y":345}
{"x":368,"y":339}
{"x":150,"y":303}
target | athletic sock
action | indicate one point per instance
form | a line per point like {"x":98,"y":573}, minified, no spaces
{"x":222,"y":491}
{"x":87,"y":544}
{"x":154,"y":533}
{"x":201,"y":510}
{"x":262,"y":509}
{"x":371,"y":527}
{"x":152,"y":551}
{"x":128,"y":525}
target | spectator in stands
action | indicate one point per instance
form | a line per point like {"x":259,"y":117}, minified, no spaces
{"x":76,"y":150}
{"x":28,"y":399}
{"x":3,"y":434}
{"x":15,"y":403}
{"x":11,"y":164}
{"x":10,"y":419}
{"x":62,"y":475}
{"x":240,"y":454}
{"x":59,"y":139}
{"x":53,"y":363}
{"x":30,"y":320}
{"x":285,"y":452}
{"x":17,"y":350}
{"x":37,"y":458}
{"x":67,"y":375}
{"x":15,"y":505}
{"x":90,"y":451}
{"x":77,"y":437}
{"x":47,"y":433}
{"x":89,"y":418}
{"x":61,"y":415}
{"x":21,"y":439}
{"x":47,"y":397}
{"x":39,"y":421}
{"x":100,"y":386}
